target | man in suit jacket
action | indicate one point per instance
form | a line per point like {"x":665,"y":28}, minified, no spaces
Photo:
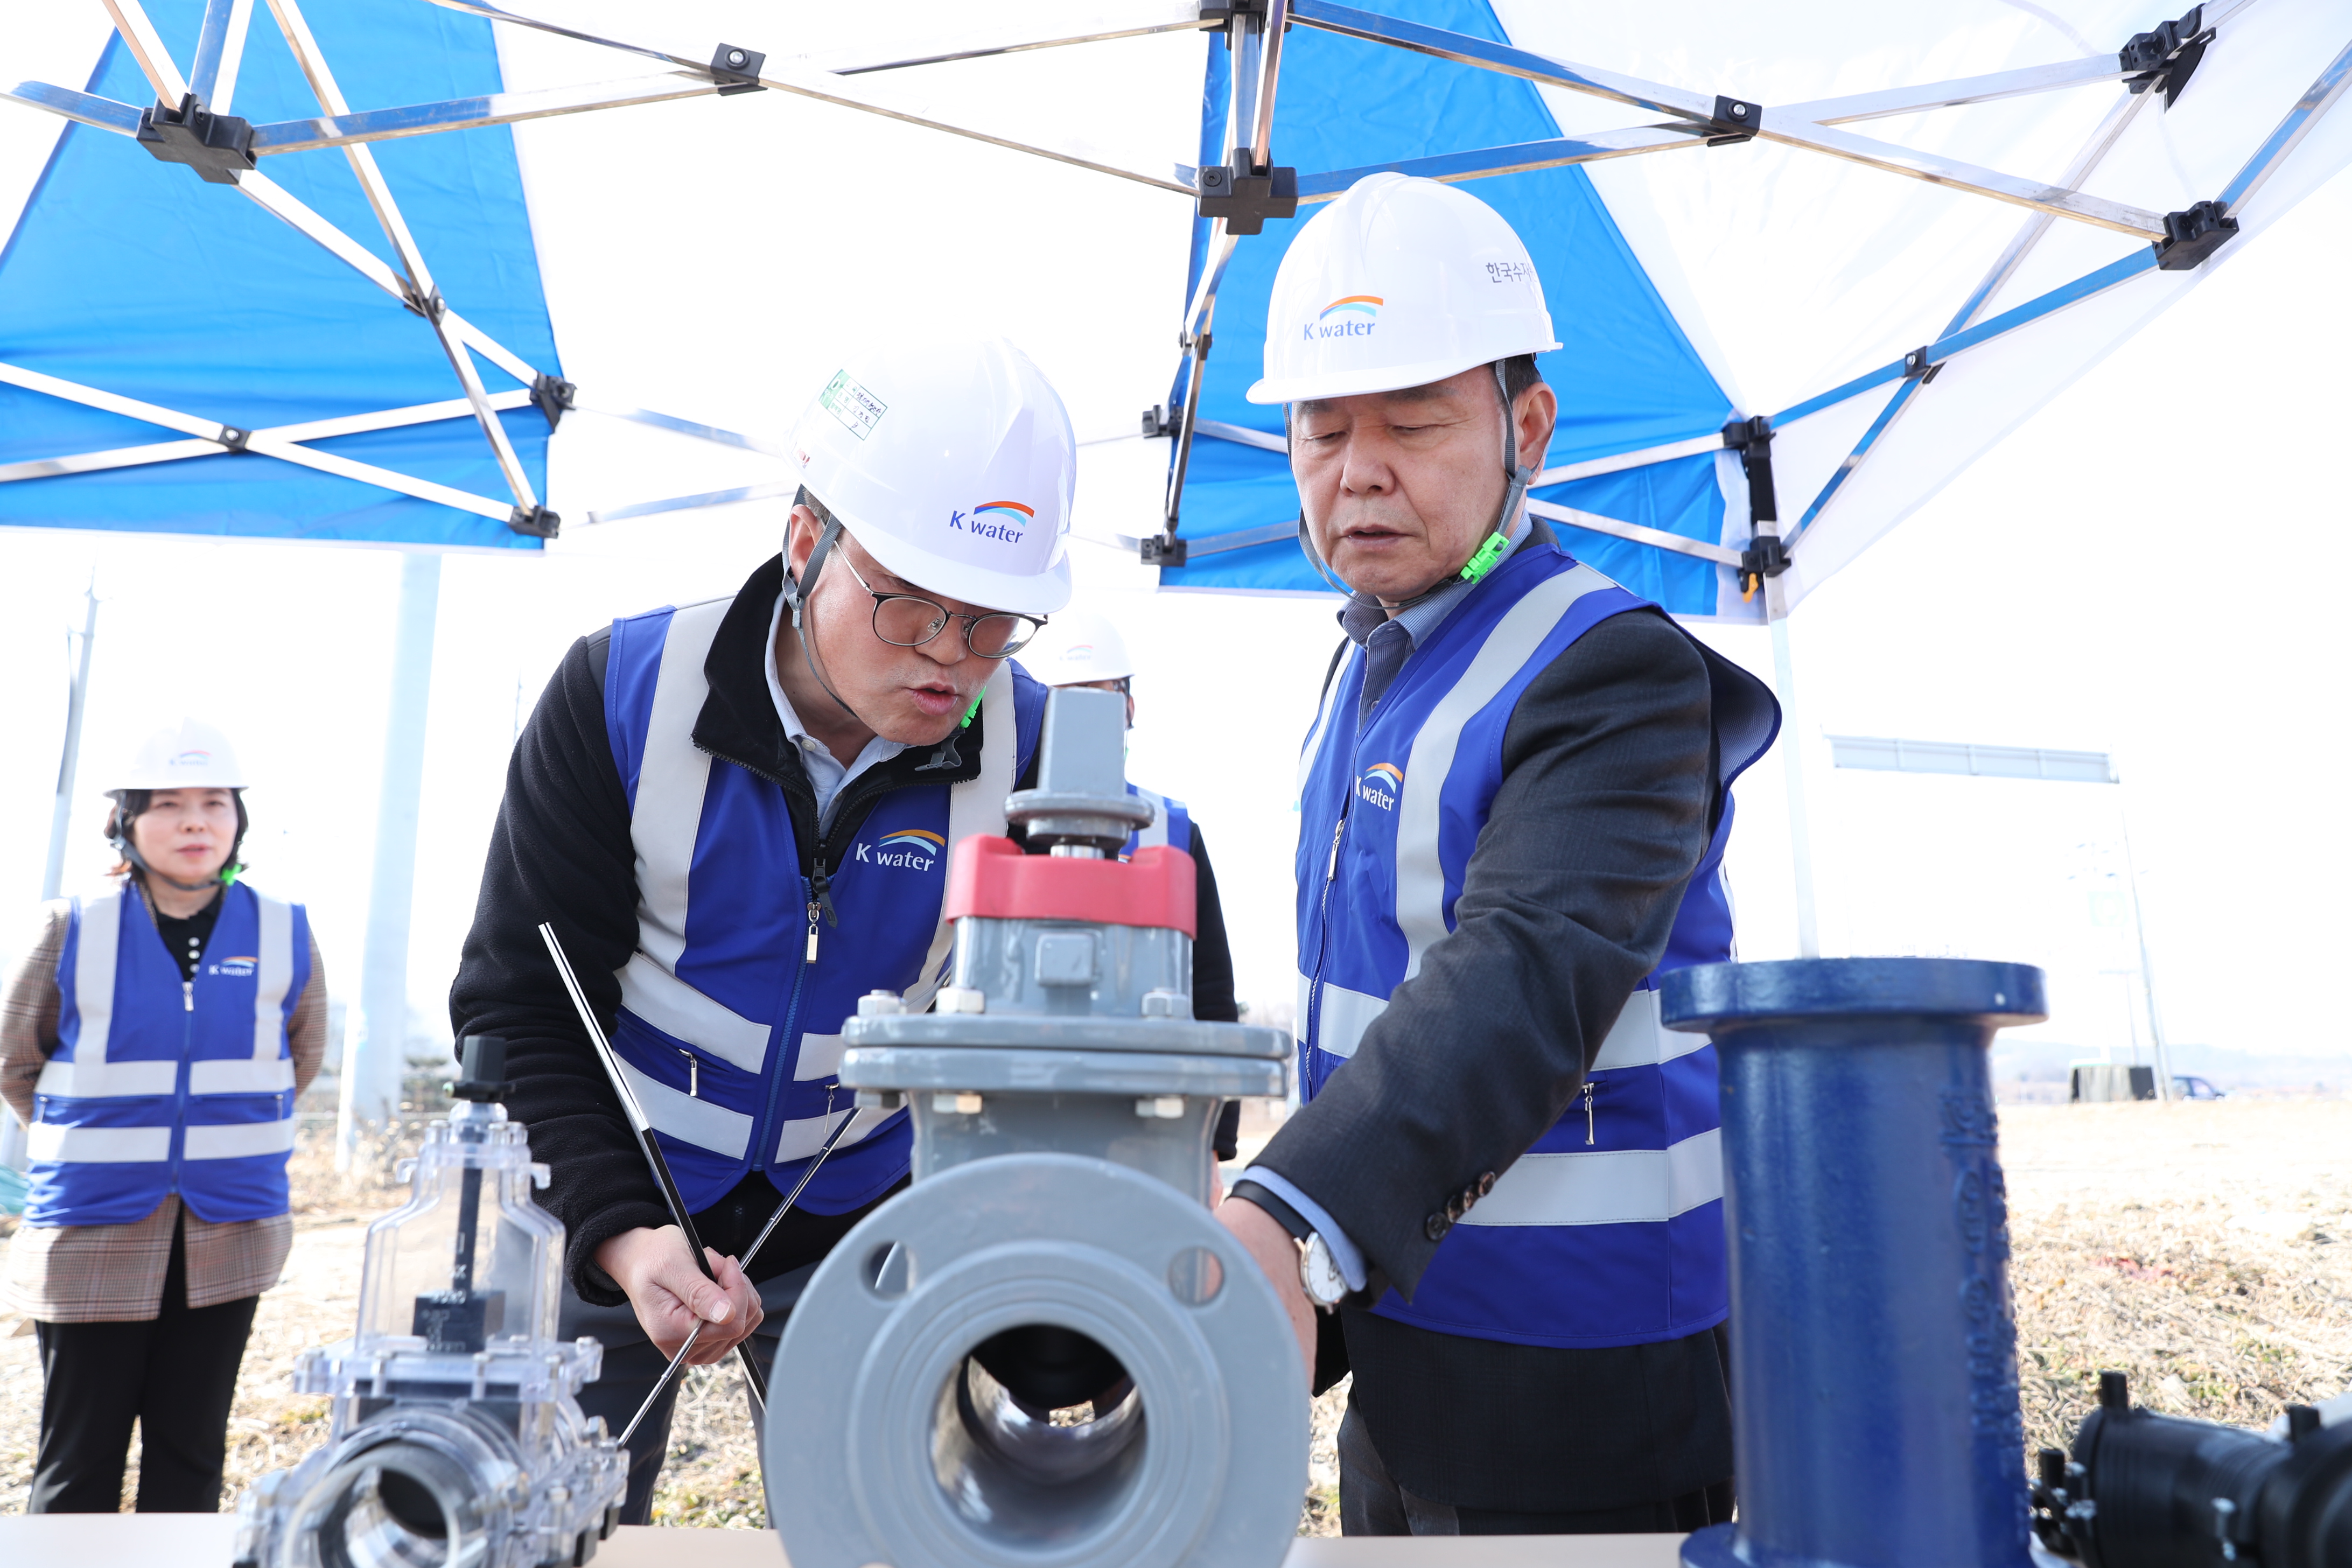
{"x":1506,"y":1176}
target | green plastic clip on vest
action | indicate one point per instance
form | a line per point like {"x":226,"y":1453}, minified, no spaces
{"x":1482,"y":561}
{"x":973,"y":712}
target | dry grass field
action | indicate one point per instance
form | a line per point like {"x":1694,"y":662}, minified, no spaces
{"x":2205,"y":1248}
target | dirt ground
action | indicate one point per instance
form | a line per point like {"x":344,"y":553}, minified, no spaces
{"x":2204,"y":1248}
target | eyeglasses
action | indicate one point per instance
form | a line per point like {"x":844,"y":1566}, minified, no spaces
{"x":908,"y":620}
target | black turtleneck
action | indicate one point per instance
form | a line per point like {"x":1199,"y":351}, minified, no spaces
{"x":184,"y":939}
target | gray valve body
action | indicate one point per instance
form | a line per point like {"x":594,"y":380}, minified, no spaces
{"x":1046,"y":1351}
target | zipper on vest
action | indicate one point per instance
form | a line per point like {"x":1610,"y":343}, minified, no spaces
{"x":1588,"y":1112}
{"x":1314,"y":1019}
{"x":180,"y":1083}
{"x":819,"y":904}
{"x":694,"y":1077}
{"x":779,"y":1079}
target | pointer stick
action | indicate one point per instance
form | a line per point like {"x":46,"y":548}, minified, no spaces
{"x":668,"y":1376}
{"x":752,"y":1375}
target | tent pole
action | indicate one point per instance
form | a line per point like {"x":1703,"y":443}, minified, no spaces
{"x":76,"y":698}
{"x":2162,"y":1054}
{"x":374,"y":1056}
{"x":1792,"y":760}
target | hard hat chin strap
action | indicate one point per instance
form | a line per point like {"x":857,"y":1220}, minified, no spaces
{"x":1515,"y":493}
{"x":798,"y":593}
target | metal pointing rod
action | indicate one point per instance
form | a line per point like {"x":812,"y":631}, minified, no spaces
{"x":752,"y":1375}
{"x":677,"y":1362}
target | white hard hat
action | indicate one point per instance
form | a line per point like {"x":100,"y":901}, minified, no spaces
{"x":190,"y":755}
{"x":953,"y":463}
{"x":1398,"y":283}
{"x":1090,"y":649}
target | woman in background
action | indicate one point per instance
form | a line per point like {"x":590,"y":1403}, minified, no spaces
{"x":154,"y":1040}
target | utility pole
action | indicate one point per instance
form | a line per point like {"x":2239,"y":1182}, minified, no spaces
{"x":77,"y":699}
{"x":377,"y":1043}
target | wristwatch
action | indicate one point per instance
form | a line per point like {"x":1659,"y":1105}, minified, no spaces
{"x":1318,"y":1271}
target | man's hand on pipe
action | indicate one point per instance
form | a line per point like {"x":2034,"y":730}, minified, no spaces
{"x":670,"y":1293}
{"x":1277,"y":1257}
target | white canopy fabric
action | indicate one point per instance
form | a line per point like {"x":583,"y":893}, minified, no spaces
{"x":713,"y":256}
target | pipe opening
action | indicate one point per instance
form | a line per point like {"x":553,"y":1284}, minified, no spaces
{"x":399,"y":1505}
{"x":1038,"y":1437}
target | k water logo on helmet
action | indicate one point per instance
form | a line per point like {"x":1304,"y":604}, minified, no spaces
{"x":1353,"y":316}
{"x":910,"y":848}
{"x":1379,"y":784}
{"x":994,"y":520}
{"x":190,"y":760}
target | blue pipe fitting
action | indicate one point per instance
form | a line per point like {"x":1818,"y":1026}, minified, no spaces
{"x":1873,"y":1347}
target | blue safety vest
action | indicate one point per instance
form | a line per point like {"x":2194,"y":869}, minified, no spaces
{"x":1170,"y":825}
{"x":163,"y":1086}
{"x":1608,"y":1230}
{"x":732,"y":1007}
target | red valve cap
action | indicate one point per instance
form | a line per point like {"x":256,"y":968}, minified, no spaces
{"x":993,"y":877}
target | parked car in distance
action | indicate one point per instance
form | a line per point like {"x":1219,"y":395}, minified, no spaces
{"x":2188,"y":1086}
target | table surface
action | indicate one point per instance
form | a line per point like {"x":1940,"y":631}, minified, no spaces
{"x":202,"y":1541}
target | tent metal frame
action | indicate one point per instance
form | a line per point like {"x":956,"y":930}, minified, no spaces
{"x":1254,"y":188}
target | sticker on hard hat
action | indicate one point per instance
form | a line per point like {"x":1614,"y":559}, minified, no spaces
{"x":1353,"y":316}
{"x":994,"y":520}
{"x":855,"y":408}
{"x":191,"y":759}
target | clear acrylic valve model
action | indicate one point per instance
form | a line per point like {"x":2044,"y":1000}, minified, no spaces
{"x":456,"y":1440}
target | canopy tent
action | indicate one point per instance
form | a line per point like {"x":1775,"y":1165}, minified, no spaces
{"x":1755,"y":256}
{"x":712,"y":249}
{"x":1738,"y":251}
{"x":134,"y":296}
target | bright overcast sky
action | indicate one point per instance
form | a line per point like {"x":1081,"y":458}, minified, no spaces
{"x":2144,"y":568}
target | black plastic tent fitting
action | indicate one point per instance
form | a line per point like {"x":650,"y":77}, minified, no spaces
{"x":1734,"y":120}
{"x":1765,"y":556}
{"x":1917,"y":366}
{"x":1164,"y":549}
{"x":1245,"y":197}
{"x":1752,"y":439}
{"x":234,"y":439}
{"x":218,"y":147}
{"x":738,"y":69}
{"x":1156,"y":423}
{"x":2167,"y":56}
{"x":2191,"y":235}
{"x":537,"y":522}
{"x":552,"y":395}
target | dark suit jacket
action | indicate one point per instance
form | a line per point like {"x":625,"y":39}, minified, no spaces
{"x":1610,"y":793}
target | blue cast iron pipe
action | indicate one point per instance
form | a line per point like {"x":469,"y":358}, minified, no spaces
{"x":1873,"y":1350}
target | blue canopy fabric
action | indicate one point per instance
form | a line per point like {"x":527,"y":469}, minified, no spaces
{"x":1626,"y":375}
{"x":134,"y":277}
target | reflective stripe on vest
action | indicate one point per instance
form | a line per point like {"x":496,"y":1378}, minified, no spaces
{"x":1606,"y":1231}
{"x":118,"y":1124}
{"x":1169,"y":824}
{"x":728,"y":1036}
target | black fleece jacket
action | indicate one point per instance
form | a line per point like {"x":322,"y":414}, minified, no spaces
{"x":560,"y":852}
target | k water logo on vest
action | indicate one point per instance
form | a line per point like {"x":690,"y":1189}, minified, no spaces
{"x":910,"y":848}
{"x":994,"y":520}
{"x":1354,"y":316}
{"x":1379,"y":784}
{"x":235,"y":968}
